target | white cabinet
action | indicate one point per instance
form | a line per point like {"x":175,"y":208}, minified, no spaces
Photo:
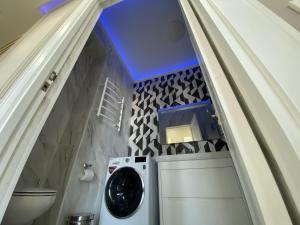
{"x":201,"y":191}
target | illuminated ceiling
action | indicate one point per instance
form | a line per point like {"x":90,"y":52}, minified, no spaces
{"x":150,"y":36}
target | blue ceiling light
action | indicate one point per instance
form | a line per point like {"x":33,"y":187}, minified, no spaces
{"x":168,"y":69}
{"x":185,"y":106}
{"x":117,"y":44}
{"x":160,"y":56}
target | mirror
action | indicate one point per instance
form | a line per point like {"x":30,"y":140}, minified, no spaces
{"x":187,"y":123}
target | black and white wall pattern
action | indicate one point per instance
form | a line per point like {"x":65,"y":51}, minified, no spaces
{"x":183,"y":87}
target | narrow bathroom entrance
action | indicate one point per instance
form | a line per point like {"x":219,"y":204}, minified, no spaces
{"x":159,"y":115}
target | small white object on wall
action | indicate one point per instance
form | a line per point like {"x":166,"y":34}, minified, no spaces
{"x":88,"y":173}
{"x":295,"y":5}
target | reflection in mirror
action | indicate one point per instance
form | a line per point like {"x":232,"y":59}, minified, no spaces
{"x":18,"y":16}
{"x":187,"y":123}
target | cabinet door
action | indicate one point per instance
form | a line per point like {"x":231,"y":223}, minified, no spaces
{"x":201,"y":192}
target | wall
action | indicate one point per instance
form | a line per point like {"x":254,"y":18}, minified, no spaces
{"x":280,"y":8}
{"x":182,"y":87}
{"x":100,"y":140}
{"x":16,"y":17}
{"x":52,"y":156}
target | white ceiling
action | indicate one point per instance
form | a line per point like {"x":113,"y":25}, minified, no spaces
{"x":150,"y":36}
{"x":17,"y":16}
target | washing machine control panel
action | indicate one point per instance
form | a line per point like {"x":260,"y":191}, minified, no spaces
{"x":139,"y":162}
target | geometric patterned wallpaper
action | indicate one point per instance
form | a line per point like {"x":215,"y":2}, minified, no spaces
{"x":180,"y":88}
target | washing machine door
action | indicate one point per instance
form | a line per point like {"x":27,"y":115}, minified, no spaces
{"x":124,"y":192}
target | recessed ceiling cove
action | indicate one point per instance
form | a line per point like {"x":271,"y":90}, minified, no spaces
{"x":150,"y":36}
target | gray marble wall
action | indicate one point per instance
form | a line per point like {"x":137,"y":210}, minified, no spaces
{"x":53,"y":154}
{"x":73,"y":134}
{"x":100,"y":140}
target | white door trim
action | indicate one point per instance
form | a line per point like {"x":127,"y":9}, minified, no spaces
{"x":53,"y":44}
{"x":261,"y":191}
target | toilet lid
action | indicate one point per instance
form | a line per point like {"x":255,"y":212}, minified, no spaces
{"x":34,"y":192}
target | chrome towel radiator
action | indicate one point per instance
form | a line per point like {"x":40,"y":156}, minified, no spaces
{"x":111,"y":104}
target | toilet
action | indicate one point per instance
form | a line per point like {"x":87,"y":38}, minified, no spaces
{"x":28,"y":204}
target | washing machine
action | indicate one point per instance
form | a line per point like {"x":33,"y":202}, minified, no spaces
{"x":131,"y":192}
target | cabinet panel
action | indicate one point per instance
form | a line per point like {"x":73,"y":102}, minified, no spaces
{"x":204,"y":183}
{"x":198,"y":211}
{"x":201,"y":191}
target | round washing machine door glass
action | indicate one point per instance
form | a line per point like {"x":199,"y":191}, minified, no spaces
{"x":124,"y":192}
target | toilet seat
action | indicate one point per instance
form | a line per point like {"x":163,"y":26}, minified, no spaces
{"x":34,"y":192}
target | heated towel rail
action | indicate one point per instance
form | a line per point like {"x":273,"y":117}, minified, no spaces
{"x":111,"y":104}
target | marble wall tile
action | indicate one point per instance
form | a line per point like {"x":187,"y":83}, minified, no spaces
{"x":60,"y":169}
{"x":100,"y":140}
